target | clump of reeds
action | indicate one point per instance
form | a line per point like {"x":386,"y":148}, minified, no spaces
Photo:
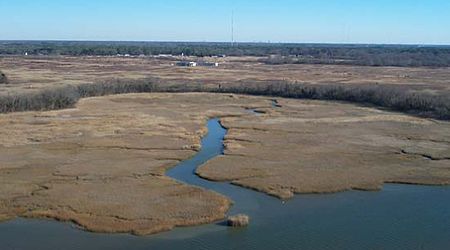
{"x":239,"y":220}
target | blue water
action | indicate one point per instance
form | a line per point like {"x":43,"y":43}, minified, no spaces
{"x":399,"y":217}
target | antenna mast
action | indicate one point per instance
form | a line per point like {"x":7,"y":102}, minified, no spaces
{"x":232,"y":28}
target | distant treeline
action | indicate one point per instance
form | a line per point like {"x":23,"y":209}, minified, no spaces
{"x":368,"y":55}
{"x":396,"y":98}
{"x":401,"y":98}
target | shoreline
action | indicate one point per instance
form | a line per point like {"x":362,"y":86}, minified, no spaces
{"x":242,"y":137}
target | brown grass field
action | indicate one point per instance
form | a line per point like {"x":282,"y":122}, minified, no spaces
{"x":111,"y":153}
{"x":38,"y":72}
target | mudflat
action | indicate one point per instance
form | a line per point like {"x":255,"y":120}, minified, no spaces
{"x":102,"y":164}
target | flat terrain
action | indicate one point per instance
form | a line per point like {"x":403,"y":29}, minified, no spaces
{"x":27,"y":73}
{"x":323,"y":147}
{"x":102,"y":164}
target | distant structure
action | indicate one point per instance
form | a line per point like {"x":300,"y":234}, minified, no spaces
{"x":163,"y":56}
{"x":208,"y":64}
{"x":197,"y":64}
{"x":187,"y":64}
{"x":232,"y":28}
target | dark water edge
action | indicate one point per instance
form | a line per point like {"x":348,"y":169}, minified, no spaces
{"x":399,"y":217}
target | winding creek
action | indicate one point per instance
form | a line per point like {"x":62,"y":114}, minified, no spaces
{"x":399,"y":217}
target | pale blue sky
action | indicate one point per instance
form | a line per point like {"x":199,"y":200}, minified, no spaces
{"x":319,"y":21}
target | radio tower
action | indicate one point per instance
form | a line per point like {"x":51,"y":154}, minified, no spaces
{"x":232,"y":28}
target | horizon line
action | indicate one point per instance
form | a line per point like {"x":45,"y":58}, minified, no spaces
{"x":225,"y":42}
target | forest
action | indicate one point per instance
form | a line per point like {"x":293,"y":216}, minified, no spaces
{"x":273,"y":53}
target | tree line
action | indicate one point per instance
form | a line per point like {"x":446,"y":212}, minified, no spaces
{"x":367,"y":55}
{"x":392,"y":97}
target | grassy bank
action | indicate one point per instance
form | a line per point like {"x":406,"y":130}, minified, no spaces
{"x":396,"y":98}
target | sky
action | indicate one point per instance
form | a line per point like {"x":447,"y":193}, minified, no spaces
{"x":299,"y":21}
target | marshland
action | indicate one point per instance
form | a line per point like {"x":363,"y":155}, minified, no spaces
{"x":156,"y":155}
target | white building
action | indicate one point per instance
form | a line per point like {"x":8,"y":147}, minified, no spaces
{"x":197,"y":64}
{"x":187,"y":64}
{"x":208,"y":64}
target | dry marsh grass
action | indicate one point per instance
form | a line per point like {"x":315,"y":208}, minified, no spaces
{"x":44,"y":83}
{"x":117,"y":149}
{"x":392,"y":97}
